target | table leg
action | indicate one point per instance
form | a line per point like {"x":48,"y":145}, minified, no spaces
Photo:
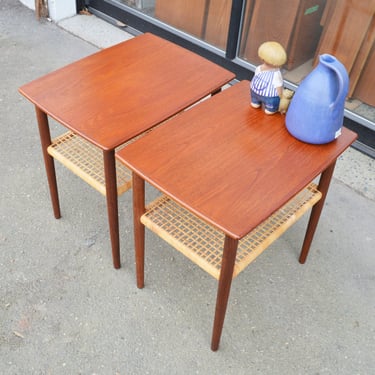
{"x":45,"y":139}
{"x":225,"y":281}
{"x":112,"y":204}
{"x":139,"y":229}
{"x":324,"y":182}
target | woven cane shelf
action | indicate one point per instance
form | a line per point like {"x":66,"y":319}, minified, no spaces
{"x":203,"y":244}
{"x":86,"y":161}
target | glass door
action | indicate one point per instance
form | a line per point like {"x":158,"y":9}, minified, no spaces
{"x":229,"y":32}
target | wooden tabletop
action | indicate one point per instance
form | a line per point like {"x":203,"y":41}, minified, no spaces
{"x":228,"y":163}
{"x":113,"y":95}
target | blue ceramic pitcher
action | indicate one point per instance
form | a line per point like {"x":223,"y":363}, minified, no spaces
{"x":316,"y":112}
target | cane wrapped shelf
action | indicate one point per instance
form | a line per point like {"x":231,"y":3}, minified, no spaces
{"x":86,"y":161}
{"x":203,"y":244}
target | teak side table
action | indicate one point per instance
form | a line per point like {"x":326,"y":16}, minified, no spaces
{"x":109,"y":98}
{"x":232,"y":181}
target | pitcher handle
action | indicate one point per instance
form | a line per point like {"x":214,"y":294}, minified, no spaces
{"x":342,"y":76}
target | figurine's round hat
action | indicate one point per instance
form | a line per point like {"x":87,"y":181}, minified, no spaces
{"x":272,"y":53}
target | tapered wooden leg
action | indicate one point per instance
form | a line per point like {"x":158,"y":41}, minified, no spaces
{"x":139,"y":229}
{"x":324,"y":182}
{"x":45,"y":139}
{"x":112,"y":204}
{"x":225,"y":281}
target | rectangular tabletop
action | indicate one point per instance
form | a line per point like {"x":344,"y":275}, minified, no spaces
{"x":228,"y":163}
{"x":119,"y":92}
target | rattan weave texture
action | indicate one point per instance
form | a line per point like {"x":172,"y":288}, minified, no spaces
{"x":86,"y":161}
{"x":203,"y":244}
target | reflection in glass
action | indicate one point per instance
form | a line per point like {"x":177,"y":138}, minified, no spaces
{"x":309,"y":28}
{"x":204,"y":19}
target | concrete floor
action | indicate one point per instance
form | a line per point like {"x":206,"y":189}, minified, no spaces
{"x":65,"y":310}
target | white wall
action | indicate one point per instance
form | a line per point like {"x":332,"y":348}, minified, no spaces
{"x":58,"y":9}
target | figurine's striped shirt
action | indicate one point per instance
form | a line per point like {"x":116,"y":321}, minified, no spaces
{"x":264,"y":83}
